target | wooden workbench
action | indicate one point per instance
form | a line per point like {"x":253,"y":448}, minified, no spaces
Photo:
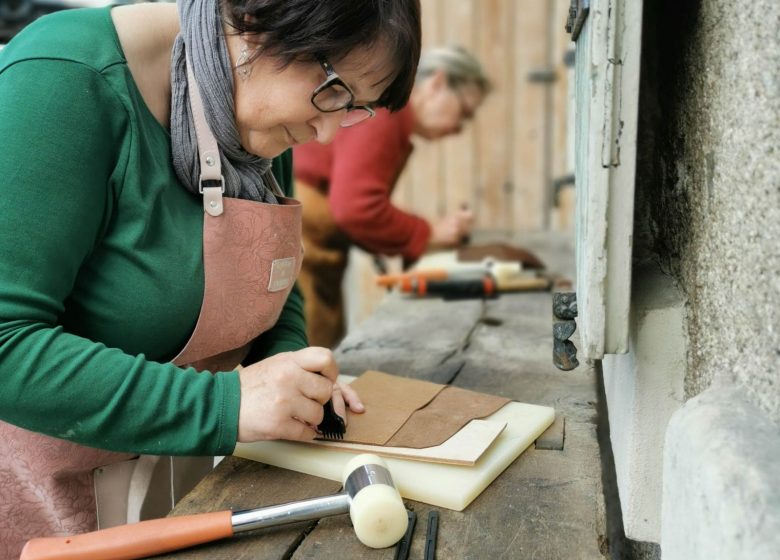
{"x":548,"y":504}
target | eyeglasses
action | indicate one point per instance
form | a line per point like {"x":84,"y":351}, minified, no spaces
{"x":334,"y":95}
{"x":466,"y":112}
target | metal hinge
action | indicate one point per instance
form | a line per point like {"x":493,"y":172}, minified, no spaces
{"x":558,"y":184}
{"x":564,"y":313}
{"x":578,"y":12}
{"x":542,"y":75}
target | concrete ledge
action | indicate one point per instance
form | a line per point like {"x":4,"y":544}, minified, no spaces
{"x":644,"y":387}
{"x":721,"y":491}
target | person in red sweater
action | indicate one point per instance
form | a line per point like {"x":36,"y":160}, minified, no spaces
{"x":345,"y":186}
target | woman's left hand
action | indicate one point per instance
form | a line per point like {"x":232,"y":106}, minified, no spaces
{"x":344,"y":395}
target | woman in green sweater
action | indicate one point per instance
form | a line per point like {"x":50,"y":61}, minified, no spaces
{"x":146,"y":248}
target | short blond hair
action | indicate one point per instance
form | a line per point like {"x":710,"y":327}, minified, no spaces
{"x":460,"y":66}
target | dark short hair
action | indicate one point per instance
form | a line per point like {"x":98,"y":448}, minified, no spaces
{"x":303,"y":30}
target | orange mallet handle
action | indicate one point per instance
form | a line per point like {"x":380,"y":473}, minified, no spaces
{"x":136,"y":540}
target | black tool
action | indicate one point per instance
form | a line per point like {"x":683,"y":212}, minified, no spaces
{"x":402,"y":549}
{"x":455,"y":288}
{"x":332,"y":425}
{"x":430,"y":538}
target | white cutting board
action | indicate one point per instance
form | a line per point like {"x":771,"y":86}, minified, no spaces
{"x":448,"y":486}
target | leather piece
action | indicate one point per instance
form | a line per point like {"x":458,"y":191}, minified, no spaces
{"x":326,"y":248}
{"x":444,"y":416}
{"x":224,"y":361}
{"x":237,"y":305}
{"x":500,"y":252}
{"x":389,"y":400}
{"x":208,"y":149}
{"x":404,"y":412}
{"x":46,"y":487}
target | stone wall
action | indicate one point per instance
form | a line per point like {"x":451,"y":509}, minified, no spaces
{"x":708,"y":183}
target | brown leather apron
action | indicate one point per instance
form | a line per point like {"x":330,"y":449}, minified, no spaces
{"x":252,"y":254}
{"x":322,"y":273}
{"x":327,"y":257}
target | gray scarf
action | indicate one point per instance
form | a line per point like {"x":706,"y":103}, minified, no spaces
{"x":202,"y":40}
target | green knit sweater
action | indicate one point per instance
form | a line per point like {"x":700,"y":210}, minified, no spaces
{"x":101,"y":270}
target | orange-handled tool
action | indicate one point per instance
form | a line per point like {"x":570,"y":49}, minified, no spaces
{"x":454,"y":288}
{"x":136,"y":540}
{"x":457,"y":270}
{"x":370,"y":497}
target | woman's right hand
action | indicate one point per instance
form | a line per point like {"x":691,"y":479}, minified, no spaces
{"x":451,"y":230}
{"x":282,"y":396}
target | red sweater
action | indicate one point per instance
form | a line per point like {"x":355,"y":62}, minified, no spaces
{"x":358,"y":171}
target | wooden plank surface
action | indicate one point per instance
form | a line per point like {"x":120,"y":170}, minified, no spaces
{"x":547,"y":504}
{"x":460,"y":171}
{"x":529,"y":117}
{"x":494,"y":132}
{"x":238,"y":484}
{"x":562,"y":218}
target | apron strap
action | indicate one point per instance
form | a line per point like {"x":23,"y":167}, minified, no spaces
{"x":140,"y":481}
{"x":208,"y":151}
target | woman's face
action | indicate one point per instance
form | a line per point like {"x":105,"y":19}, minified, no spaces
{"x":441,"y":110}
{"x":273,"y":106}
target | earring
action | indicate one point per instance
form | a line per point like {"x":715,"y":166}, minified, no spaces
{"x":243,"y":67}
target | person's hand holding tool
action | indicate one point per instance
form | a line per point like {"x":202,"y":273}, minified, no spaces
{"x":282,"y":397}
{"x":451,"y":230}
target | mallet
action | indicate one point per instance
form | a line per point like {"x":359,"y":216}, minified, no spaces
{"x":378,"y":516}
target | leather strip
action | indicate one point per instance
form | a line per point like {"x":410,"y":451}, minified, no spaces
{"x":208,"y":150}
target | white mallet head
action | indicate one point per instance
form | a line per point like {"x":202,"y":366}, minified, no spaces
{"x":378,"y":514}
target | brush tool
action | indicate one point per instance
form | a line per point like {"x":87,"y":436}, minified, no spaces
{"x":332,"y":425}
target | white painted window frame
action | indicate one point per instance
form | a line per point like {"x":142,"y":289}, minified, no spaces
{"x":606,"y":106}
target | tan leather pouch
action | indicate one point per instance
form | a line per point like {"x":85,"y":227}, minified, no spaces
{"x":404,"y":412}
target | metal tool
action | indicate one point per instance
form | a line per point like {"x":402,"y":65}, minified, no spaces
{"x":456,"y":288}
{"x":370,"y":497}
{"x":484,"y":279}
{"x":332,"y":425}
{"x":430,"y":538}
{"x":459,"y":270}
{"x":405,"y":544}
